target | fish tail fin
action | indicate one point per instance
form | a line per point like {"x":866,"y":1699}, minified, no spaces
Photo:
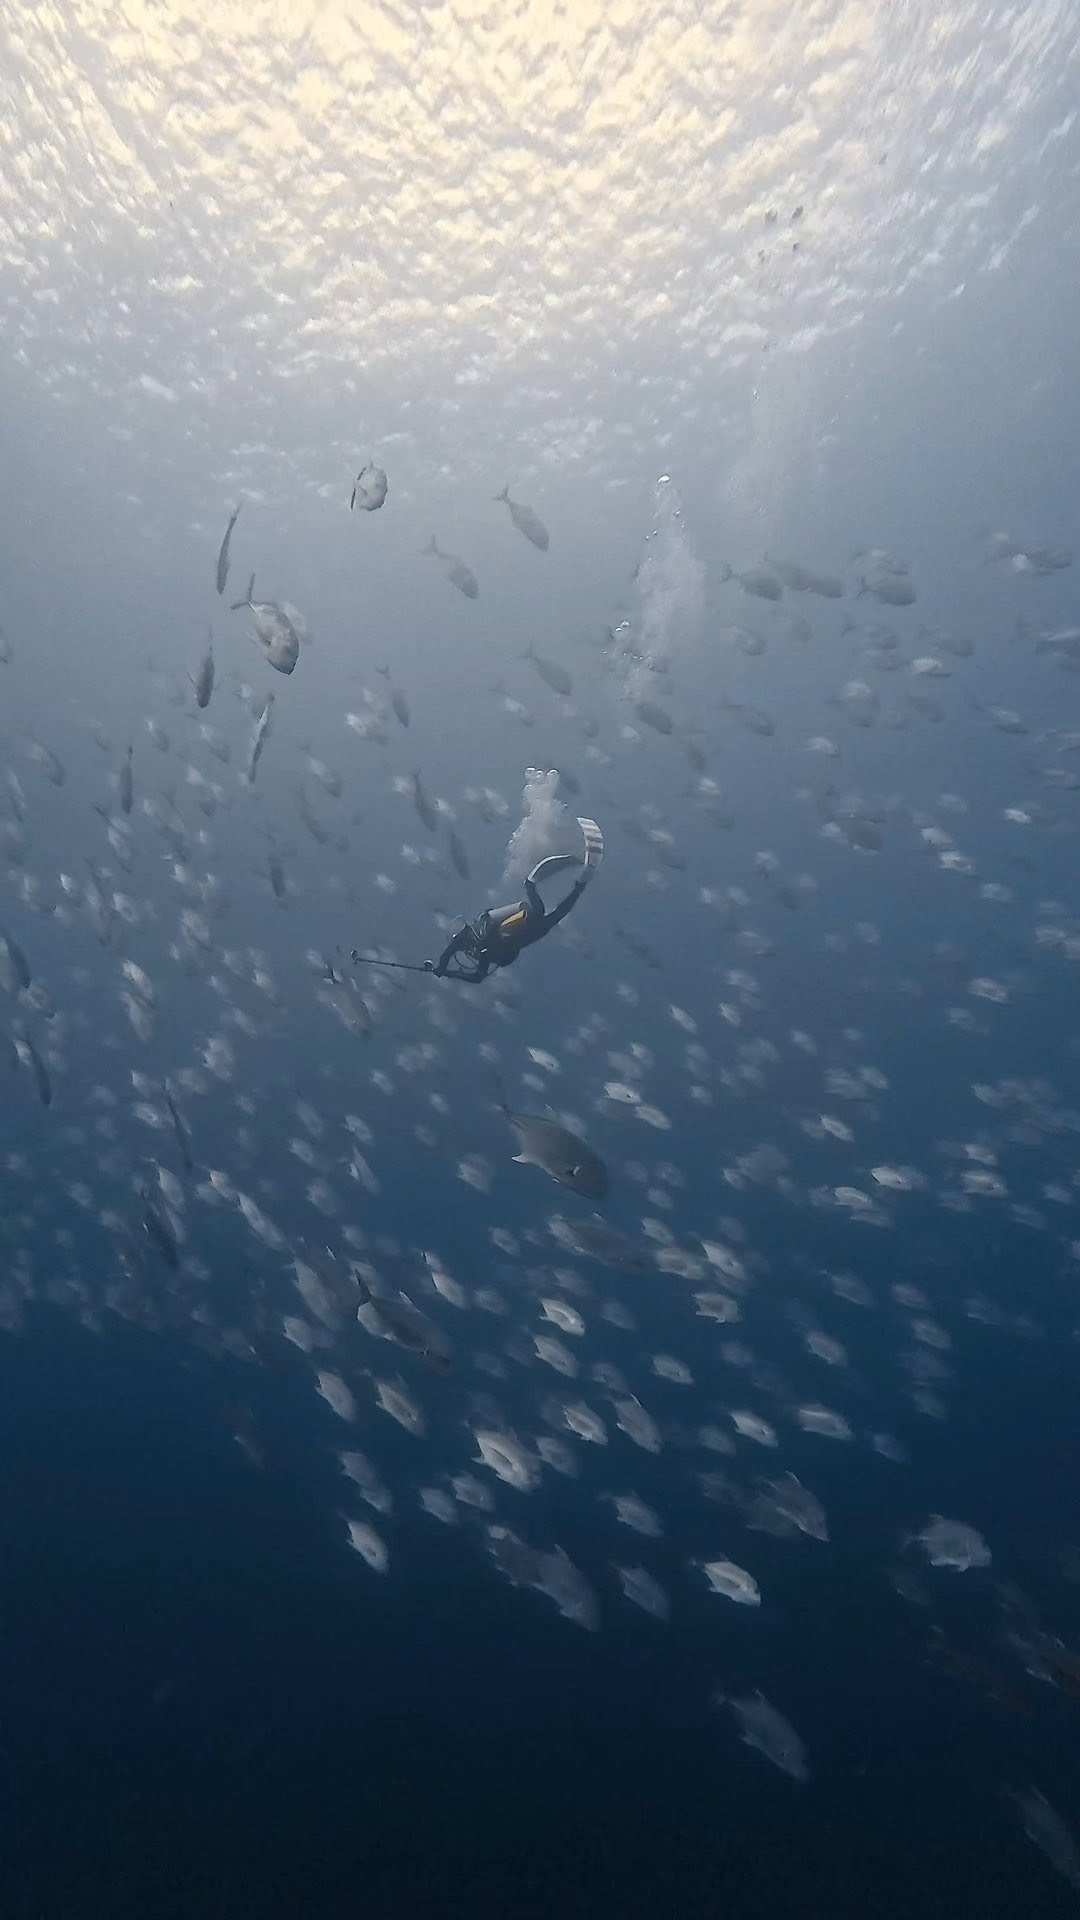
{"x":863,"y":588}
{"x":529,"y":652}
{"x":726,"y":574}
{"x":235,"y":605}
{"x":500,"y":1091}
{"x":432,"y":546}
{"x":505,"y":494}
{"x":385,"y":671}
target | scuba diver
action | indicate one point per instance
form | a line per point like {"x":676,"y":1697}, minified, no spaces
{"x":499,"y":934}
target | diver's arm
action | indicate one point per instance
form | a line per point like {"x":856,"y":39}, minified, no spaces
{"x":449,"y":952}
{"x":479,"y":970}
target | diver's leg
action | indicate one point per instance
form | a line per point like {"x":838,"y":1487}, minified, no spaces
{"x":555,"y":863}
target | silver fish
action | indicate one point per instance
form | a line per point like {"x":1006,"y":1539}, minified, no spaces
{"x":525,"y":520}
{"x":223,"y":554}
{"x":393,"y":1317}
{"x":259,"y":737}
{"x":459,"y":575}
{"x":557,"y":1152}
{"x":274,"y":631}
{"x":764,"y":1728}
{"x":369,"y":490}
{"x":127,"y":782}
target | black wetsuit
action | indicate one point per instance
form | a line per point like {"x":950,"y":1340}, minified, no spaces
{"x":500,"y":933}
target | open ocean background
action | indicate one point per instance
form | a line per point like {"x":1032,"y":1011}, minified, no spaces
{"x":711,"y":287}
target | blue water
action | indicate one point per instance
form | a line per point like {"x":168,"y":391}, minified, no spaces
{"x":711,"y":292}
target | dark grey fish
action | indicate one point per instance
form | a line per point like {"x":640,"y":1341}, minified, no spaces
{"x":423,"y":805}
{"x":606,"y":1244}
{"x":802,"y":579}
{"x":183,"y":1136}
{"x":14,"y":966}
{"x":30,"y":1057}
{"x":557,"y":1152}
{"x":369,"y":490}
{"x":550,"y":672}
{"x":459,"y":575}
{"x":754,"y":719}
{"x":755,"y":580}
{"x":276,"y":875}
{"x":158,"y":1230}
{"x":315,"y":827}
{"x":203,"y":680}
{"x":127,"y":782}
{"x":393,"y":1317}
{"x":892,"y":589}
{"x":525,"y":520}
{"x":653,"y":716}
{"x":223,"y":558}
{"x":638,"y":948}
{"x":51,"y":767}
{"x":458,"y":856}
{"x":6,"y":655}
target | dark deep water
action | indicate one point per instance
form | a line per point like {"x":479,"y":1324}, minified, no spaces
{"x":211,"y":1707}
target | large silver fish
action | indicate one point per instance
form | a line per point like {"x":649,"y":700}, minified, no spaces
{"x":369,"y":490}
{"x":557,"y":1151}
{"x":274,"y":631}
